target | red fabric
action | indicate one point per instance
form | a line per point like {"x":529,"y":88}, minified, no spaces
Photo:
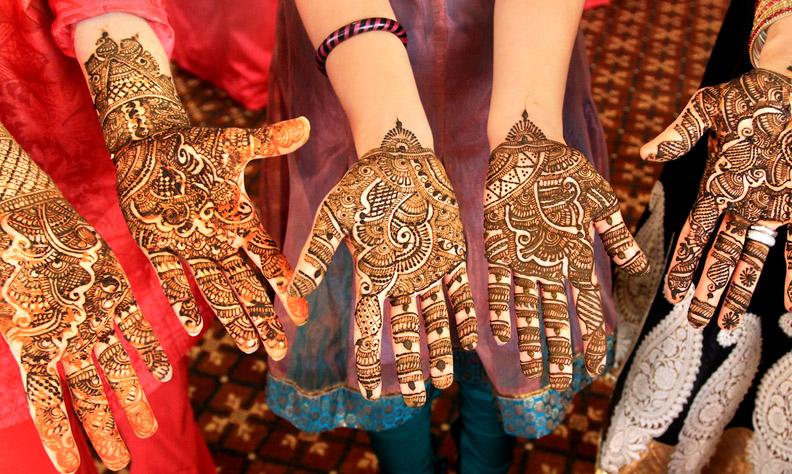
{"x":177,"y":446}
{"x":45,"y":104}
{"x":595,"y":3}
{"x":69,"y":12}
{"x":229,"y":44}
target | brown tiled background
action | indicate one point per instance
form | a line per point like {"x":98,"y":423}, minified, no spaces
{"x":647,"y":57}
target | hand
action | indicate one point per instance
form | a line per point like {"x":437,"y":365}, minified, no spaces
{"x":748,"y":177}
{"x":182,"y":192}
{"x":62,"y":292}
{"x":542,"y":202}
{"x":397,"y":211}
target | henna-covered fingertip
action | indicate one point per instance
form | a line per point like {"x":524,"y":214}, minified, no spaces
{"x":297,"y":308}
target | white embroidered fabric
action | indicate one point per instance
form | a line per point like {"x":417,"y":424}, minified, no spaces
{"x":658,"y":385}
{"x":718,"y":399}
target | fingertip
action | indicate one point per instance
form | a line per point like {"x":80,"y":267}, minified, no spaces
{"x":148,"y":429}
{"x":286,"y":136}
{"x":276,"y":352}
{"x":415,"y":400}
{"x":164,"y":376}
{"x":370,"y":393}
{"x":297,"y":308}
{"x":648,"y":151}
{"x":248,"y":347}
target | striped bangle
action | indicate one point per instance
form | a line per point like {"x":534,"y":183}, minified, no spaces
{"x":353,"y":29}
{"x":767,"y":13}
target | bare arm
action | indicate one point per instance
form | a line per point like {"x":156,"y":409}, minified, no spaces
{"x":370,"y":73}
{"x":533,"y":45}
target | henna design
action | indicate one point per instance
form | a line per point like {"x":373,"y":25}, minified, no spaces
{"x":405,"y":325}
{"x":741,"y":288}
{"x":788,"y":282}
{"x":62,"y":293}
{"x":396,"y":209}
{"x":542,"y":202}
{"x":132,"y":97}
{"x":182,"y":193}
{"x":748,"y":174}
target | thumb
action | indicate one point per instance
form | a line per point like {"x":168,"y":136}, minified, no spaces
{"x":686,"y":131}
{"x":280,"y":138}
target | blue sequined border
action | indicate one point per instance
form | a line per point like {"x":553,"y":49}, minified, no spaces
{"x":529,"y":417}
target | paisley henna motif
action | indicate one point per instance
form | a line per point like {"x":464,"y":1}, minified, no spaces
{"x":396,"y":209}
{"x":182,"y":193}
{"x":62,"y":293}
{"x":747,"y":179}
{"x":542,"y":202}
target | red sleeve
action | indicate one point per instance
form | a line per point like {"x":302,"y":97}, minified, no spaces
{"x":70,"y":12}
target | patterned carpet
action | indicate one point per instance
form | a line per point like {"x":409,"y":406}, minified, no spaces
{"x":647,"y":58}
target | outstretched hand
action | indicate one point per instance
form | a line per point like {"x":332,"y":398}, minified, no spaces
{"x":63,"y":295}
{"x":542,"y":203}
{"x":396,"y":209}
{"x":747,"y":180}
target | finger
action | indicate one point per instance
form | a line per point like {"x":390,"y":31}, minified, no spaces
{"x":686,"y":131}
{"x":743,"y":283}
{"x":264,"y":252}
{"x":48,"y":411}
{"x":177,"y":289}
{"x":621,"y":245}
{"x":368,"y":340}
{"x":438,"y":336}
{"x":251,"y":293}
{"x":406,"y":349}
{"x":499,"y":286}
{"x":588,"y":305}
{"x":788,"y":255}
{"x":138,"y":331}
{"x":462,"y":305}
{"x":220,"y":296}
{"x":280,"y":138}
{"x":718,"y":269}
{"x":93,"y":411}
{"x":121,"y":377}
{"x":312,"y":265}
{"x":555,"y":316}
{"x":691,"y":243}
{"x":529,"y":340}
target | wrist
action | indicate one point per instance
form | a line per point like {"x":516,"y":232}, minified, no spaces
{"x":545,"y":116}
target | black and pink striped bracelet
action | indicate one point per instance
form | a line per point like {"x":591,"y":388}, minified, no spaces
{"x":353,"y":29}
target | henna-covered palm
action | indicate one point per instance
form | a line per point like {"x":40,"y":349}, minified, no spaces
{"x":542,"y":203}
{"x":397,"y":211}
{"x":63,"y":293}
{"x":181,"y":190}
{"x":747,"y":179}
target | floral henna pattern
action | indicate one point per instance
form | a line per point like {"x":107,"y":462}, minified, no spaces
{"x":747,"y":180}
{"x":396,"y":209}
{"x":542,"y":203}
{"x":62,"y":293}
{"x":182,"y":193}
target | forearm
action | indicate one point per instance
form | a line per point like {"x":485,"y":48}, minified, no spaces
{"x":129,"y":77}
{"x":532,"y":47}
{"x":370,"y":73}
{"x":777,"y":51}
